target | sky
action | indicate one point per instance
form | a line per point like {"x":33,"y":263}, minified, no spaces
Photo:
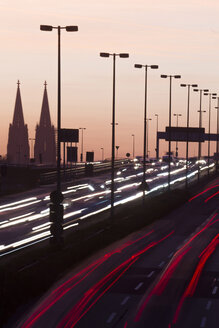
{"x":181,"y":36}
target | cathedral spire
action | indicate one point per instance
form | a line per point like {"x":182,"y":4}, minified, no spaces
{"x":45,"y":120}
{"x":18,"y":150}
{"x":18,"y":119}
{"x":45,"y":147}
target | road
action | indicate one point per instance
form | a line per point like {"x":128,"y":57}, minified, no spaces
{"x":24,"y":220}
{"x":166,"y":275}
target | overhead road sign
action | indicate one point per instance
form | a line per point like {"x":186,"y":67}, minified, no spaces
{"x":182,"y":133}
{"x":69,"y":135}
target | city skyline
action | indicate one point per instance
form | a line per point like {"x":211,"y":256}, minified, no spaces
{"x":181,"y":38}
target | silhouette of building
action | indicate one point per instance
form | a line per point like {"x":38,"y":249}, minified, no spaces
{"x":18,"y":150}
{"x":45,"y":146}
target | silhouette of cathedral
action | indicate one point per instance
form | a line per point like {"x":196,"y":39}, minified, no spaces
{"x":18,"y":151}
{"x":45,"y":146}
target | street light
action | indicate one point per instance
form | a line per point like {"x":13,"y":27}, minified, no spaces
{"x":102,"y":153}
{"x":170,"y":107}
{"x":133,"y":145}
{"x":32,"y":140}
{"x":144,"y":184}
{"x":200,"y":124}
{"x":177,"y":123}
{"x":117,"y":151}
{"x":56,"y":197}
{"x":211,"y":95}
{"x":187,"y":133}
{"x":217,"y":142}
{"x":147,"y":129}
{"x":156,"y":149}
{"x":82,"y":142}
{"x":114,"y":55}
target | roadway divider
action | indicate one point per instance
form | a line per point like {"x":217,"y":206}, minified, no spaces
{"x":77,"y":171}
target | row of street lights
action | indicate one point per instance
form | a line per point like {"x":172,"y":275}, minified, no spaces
{"x":57,"y":197}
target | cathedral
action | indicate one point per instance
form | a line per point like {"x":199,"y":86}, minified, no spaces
{"x":18,"y":150}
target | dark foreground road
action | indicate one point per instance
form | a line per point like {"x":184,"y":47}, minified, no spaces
{"x":166,"y":275}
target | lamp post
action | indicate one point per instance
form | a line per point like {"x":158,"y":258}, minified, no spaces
{"x":170,"y":107}
{"x":211,"y":95}
{"x":187,"y":133}
{"x":200,"y":124}
{"x":82,"y":142}
{"x":177,"y":124}
{"x":156,"y":137}
{"x":102,"y":153}
{"x":32,"y":140}
{"x":144,"y":184}
{"x":199,"y":149}
{"x":117,"y":151}
{"x":133,"y":145}
{"x":56,"y":197}
{"x":147,"y":129}
{"x":217,"y":142}
{"x":114,"y":55}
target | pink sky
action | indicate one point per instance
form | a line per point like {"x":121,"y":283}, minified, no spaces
{"x":180,"y":36}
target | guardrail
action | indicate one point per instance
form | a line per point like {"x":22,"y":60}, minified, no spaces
{"x":75,"y":172}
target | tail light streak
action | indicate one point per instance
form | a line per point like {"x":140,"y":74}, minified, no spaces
{"x":189,"y":292}
{"x":59,"y":292}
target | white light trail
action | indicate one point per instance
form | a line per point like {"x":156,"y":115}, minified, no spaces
{"x":18,"y":202}
{"x":20,"y":206}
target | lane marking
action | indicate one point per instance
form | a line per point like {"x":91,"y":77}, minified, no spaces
{"x":125,"y":300}
{"x":161,"y":264}
{"x":203,"y":322}
{"x":150,"y":274}
{"x":208,"y":306}
{"x":214,"y":291}
{"x":139,"y":285}
{"x":111,"y":317}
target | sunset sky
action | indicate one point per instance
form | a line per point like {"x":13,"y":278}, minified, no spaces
{"x":181,"y":36}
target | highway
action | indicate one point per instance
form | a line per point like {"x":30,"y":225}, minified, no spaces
{"x":24,"y":220}
{"x":166,"y":275}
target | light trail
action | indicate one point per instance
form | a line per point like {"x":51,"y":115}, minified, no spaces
{"x":20,"y":206}
{"x":189,"y":292}
{"x":72,"y":282}
{"x":18,"y":202}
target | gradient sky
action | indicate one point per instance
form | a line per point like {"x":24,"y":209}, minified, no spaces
{"x":182,"y":37}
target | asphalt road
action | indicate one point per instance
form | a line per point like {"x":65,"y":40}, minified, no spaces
{"x":24,"y":219}
{"x":166,"y":275}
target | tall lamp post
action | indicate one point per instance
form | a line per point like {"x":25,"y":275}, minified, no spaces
{"x":156,"y":136}
{"x":114,"y":55}
{"x":187,"y":134}
{"x":133,"y":145}
{"x":211,"y":96}
{"x":56,"y":197}
{"x":147,"y":129}
{"x":170,"y":108}
{"x":217,"y":142}
{"x":199,"y":149}
{"x":82,"y":142}
{"x":32,"y":140}
{"x":177,"y":124}
{"x":144,"y":184}
{"x":102,"y":153}
{"x":200,"y":124}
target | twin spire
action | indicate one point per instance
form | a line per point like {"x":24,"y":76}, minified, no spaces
{"x":18,"y":151}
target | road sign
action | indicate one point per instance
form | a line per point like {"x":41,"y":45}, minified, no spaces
{"x":180,"y":134}
{"x":89,"y":156}
{"x":69,"y":135}
{"x":72,"y":154}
